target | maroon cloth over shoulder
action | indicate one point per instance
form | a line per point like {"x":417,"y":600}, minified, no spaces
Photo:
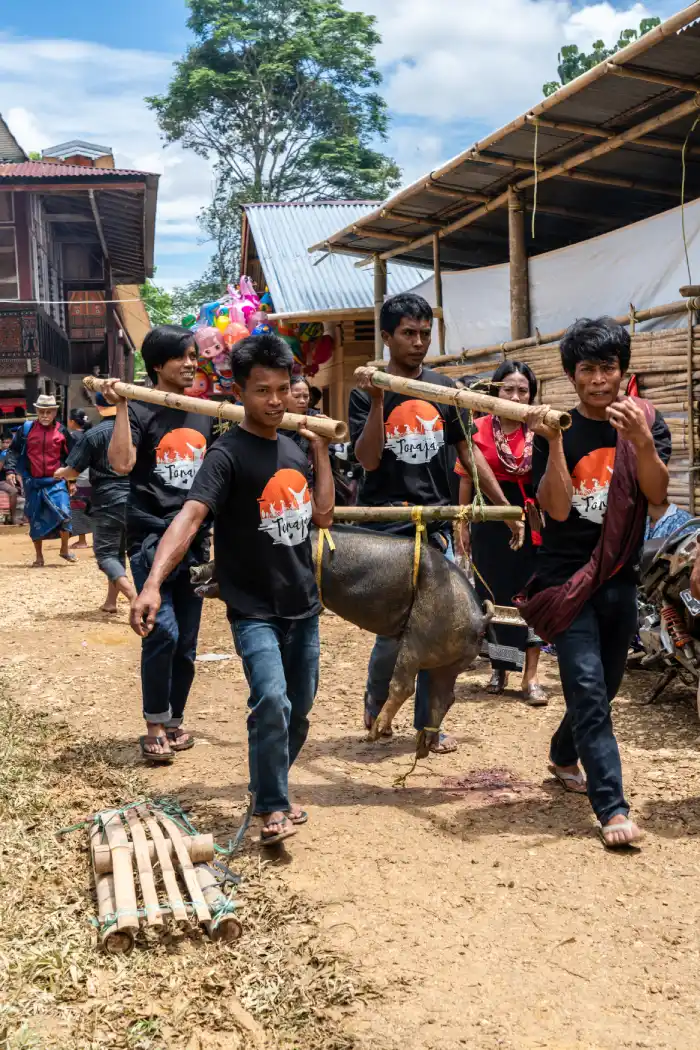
{"x":553,"y":609}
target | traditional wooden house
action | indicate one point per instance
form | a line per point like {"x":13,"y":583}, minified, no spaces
{"x":325,"y":286}
{"x":76,"y":239}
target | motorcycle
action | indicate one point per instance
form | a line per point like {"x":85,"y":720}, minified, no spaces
{"x":669,"y":616}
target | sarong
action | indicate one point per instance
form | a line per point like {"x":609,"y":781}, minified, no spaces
{"x":47,"y":505}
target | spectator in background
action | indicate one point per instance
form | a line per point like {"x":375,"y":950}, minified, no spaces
{"x":9,"y":490}
{"x":79,"y":424}
{"x":664,"y":518}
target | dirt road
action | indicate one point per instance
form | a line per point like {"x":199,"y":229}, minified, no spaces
{"x":487,"y":918}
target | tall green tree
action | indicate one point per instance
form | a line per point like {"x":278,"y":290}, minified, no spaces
{"x":573,"y":62}
{"x":282,"y":95}
{"x":158,"y":303}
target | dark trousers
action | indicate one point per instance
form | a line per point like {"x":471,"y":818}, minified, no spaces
{"x":280,"y":659}
{"x":592,"y":653}
{"x":168,"y":652}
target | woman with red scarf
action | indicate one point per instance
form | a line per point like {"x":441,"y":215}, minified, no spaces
{"x":499,"y":570}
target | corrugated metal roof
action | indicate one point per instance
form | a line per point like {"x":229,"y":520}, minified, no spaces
{"x":33,"y":169}
{"x":299,"y":281}
{"x":602,"y":152}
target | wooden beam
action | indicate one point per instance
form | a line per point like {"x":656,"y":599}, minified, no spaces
{"x":379,"y":295}
{"x":66,"y":217}
{"x":437,"y":276}
{"x":98,"y":224}
{"x":605,"y":133}
{"x":648,"y":75}
{"x":518,"y":267}
{"x":565,"y":167}
{"x":388,"y":235}
{"x":502,"y":162}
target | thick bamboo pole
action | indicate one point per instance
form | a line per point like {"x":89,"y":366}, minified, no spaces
{"x":518,"y":267}
{"x":651,"y":77}
{"x":604,"y":133}
{"x":446,"y":395}
{"x":379,"y":296}
{"x":124,"y":888}
{"x":690,"y":394}
{"x":113,"y":941}
{"x":331,"y":429}
{"x":437,"y":275}
{"x":186,"y":867}
{"x":227,"y":928}
{"x":199,"y":847}
{"x":470,"y":512}
{"x":666,"y":310}
{"x":167,"y":871}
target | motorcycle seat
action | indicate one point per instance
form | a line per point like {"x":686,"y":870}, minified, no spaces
{"x":649,"y":552}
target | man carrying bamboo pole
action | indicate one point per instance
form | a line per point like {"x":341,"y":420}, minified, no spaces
{"x":405,"y":446}
{"x":255,"y":483}
{"x":162,"y":450}
{"x":593,"y":482}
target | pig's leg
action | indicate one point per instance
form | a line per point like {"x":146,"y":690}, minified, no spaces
{"x":402,"y":686}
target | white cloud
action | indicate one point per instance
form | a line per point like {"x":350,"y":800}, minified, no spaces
{"x":55,"y":90}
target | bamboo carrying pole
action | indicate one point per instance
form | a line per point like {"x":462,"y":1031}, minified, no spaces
{"x":446,"y":395}
{"x":349,"y":515}
{"x":331,"y":429}
{"x":112,"y":940}
{"x":199,"y":847}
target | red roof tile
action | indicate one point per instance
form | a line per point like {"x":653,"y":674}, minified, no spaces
{"x":41,"y":170}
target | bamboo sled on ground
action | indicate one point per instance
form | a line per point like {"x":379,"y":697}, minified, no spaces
{"x":331,"y":429}
{"x":469,"y":399}
{"x":173,"y":882}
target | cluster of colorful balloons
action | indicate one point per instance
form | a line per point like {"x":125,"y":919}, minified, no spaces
{"x":218,"y":326}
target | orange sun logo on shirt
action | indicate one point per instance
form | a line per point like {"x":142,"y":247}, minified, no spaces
{"x":591,"y":481}
{"x":179,"y":456}
{"x":414,"y":432}
{"x":285,"y":507}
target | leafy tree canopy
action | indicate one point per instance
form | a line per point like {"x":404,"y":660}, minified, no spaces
{"x":158,"y":303}
{"x":573,"y":62}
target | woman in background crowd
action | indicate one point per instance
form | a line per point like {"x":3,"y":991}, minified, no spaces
{"x":78,"y":424}
{"x":501,"y":571}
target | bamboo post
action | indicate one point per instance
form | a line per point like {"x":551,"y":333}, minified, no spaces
{"x":446,"y":395}
{"x":177,"y":905}
{"x":437,"y":275}
{"x":186,"y":867}
{"x":114,"y":941}
{"x":331,"y":429}
{"x":691,"y":412}
{"x":518,"y":267}
{"x":379,"y":296}
{"x":143,"y":865}
{"x":350,"y":515}
{"x":227,"y":928}
{"x":126,"y":907}
{"x":199,"y":847}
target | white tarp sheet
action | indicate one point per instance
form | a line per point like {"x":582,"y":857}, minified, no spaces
{"x":642,"y":264}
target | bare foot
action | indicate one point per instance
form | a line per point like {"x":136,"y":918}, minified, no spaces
{"x":620,"y":831}
{"x":108,"y":608}
{"x":79,"y":545}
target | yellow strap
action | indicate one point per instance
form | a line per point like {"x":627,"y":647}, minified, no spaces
{"x":323,"y":536}
{"x":417,"y":517}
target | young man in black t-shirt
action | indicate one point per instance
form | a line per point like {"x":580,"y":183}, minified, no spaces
{"x":255,"y":483}
{"x":162,"y":450}
{"x":572,"y":472}
{"x":407,"y":447}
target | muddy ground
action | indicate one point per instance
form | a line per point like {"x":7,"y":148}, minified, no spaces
{"x":487,"y":918}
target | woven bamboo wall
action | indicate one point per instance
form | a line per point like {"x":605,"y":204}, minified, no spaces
{"x":660,"y":362}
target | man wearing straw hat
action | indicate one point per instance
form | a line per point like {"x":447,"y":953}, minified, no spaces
{"x":407,"y":448}
{"x":37,"y":451}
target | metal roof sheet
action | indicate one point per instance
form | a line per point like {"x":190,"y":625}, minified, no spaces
{"x":300,"y":281}
{"x":34,"y":169}
{"x":613,"y":174}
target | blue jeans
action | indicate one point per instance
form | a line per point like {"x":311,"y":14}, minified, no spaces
{"x":592,"y":654}
{"x":381,"y":670}
{"x":168,"y":652}
{"x":280,"y":659}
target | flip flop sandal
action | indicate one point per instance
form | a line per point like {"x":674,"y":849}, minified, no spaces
{"x":535,"y":696}
{"x":162,"y":757}
{"x":68,"y":557}
{"x":173,"y":735}
{"x":624,"y":825}
{"x":444,"y":745}
{"x":300,"y":818}
{"x":287,"y":830}
{"x":497,"y":683}
{"x":567,"y":779}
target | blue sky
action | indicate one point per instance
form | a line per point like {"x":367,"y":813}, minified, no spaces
{"x":453,"y":71}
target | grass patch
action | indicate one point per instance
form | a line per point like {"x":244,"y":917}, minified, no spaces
{"x":277,"y":986}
